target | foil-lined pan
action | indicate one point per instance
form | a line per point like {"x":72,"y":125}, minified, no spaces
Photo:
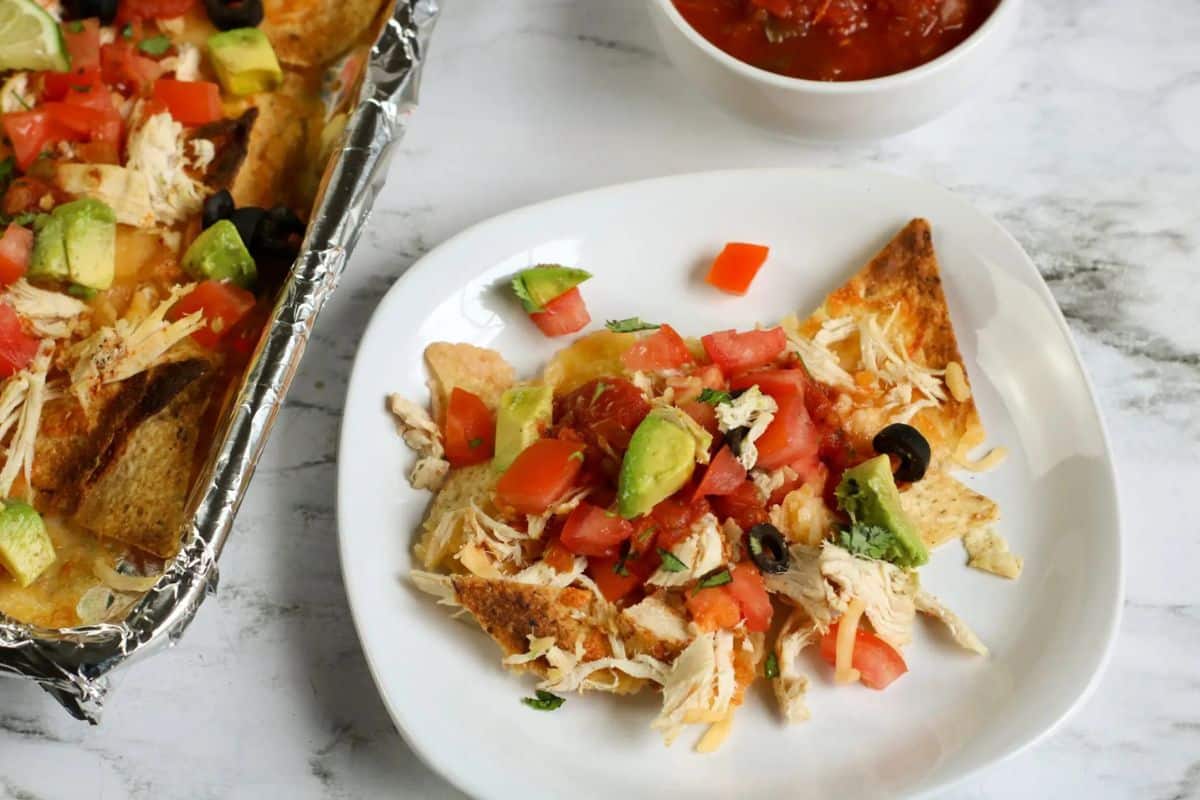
{"x":74,"y":664}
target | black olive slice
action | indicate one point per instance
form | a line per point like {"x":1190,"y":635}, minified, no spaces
{"x":248,"y":220}
{"x":106,"y":10}
{"x":907,"y":444}
{"x":227,"y":14}
{"x":217,"y":206}
{"x":735,"y":438}
{"x":768,"y":548}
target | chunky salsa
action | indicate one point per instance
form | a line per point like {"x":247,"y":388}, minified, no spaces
{"x":835,"y":40}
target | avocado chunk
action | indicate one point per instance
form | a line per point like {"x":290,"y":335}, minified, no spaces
{"x":245,"y":61}
{"x":25,"y":547}
{"x":661,"y":456}
{"x":539,"y":285}
{"x":219,"y":254}
{"x":90,"y":239}
{"x":524,"y":411}
{"x":49,"y":258}
{"x":868,"y":493}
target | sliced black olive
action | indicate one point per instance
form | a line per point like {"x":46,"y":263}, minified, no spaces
{"x":907,"y":444}
{"x":227,"y":15}
{"x":217,"y":206}
{"x":279,"y":233}
{"x":735,"y":438}
{"x":106,"y":10}
{"x":768,"y":548}
{"x":248,"y":220}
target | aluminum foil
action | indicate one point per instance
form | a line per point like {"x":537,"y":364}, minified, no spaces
{"x":74,"y":664}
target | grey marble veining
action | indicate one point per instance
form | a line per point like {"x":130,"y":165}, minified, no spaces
{"x":1085,"y":144}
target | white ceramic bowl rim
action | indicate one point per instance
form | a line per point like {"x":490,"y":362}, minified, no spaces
{"x":944,"y":61}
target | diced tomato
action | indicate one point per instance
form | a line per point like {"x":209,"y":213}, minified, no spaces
{"x":190,"y":102}
{"x":29,"y":194}
{"x":61,"y":85}
{"x":723,"y":475}
{"x":121,"y":66}
{"x":98,"y":152}
{"x":565,"y":314}
{"x":15,"y":246}
{"x":592,"y":531}
{"x":748,"y":589}
{"x":130,"y":10}
{"x":605,"y":413}
{"x":30,"y":133}
{"x":540,"y":475}
{"x":663,"y":349}
{"x":222,"y":304}
{"x":558,"y":557}
{"x":80,"y":122}
{"x":876,"y":661}
{"x":83,"y":42}
{"x":470,"y":429}
{"x":734,"y":352}
{"x":703,"y":413}
{"x":790,"y":437}
{"x":744,"y":505}
{"x":613,"y":586}
{"x":17,"y":348}
{"x":675,"y":517}
{"x":714,"y":608}
{"x":735,"y":266}
{"x":775,"y":382}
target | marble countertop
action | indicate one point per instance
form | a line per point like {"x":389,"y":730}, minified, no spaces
{"x":1085,"y":144}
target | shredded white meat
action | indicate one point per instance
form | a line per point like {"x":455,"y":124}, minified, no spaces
{"x":569,"y":672}
{"x":424,"y":438}
{"x":820,"y":362}
{"x":886,"y":591}
{"x":805,"y":586}
{"x":52,"y":315}
{"x":699,"y":686}
{"x":439,"y":586}
{"x":157,"y":150}
{"x":701,"y":552}
{"x":962,"y":633}
{"x":21,"y":404}
{"x":791,"y":686}
{"x":542,"y":574}
{"x":752,"y":410}
{"x":658,"y":619}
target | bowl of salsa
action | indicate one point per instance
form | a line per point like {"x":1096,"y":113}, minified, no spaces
{"x":836,"y":69}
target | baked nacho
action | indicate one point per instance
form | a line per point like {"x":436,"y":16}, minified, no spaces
{"x":158,"y":159}
{"x":687,"y":515}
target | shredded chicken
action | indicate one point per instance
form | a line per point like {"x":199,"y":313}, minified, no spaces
{"x":658,"y":619}
{"x":699,"y":686}
{"x":804,"y":585}
{"x":962,"y":633}
{"x":21,"y":405}
{"x":791,"y":686}
{"x":156,"y":149}
{"x":423,"y":437}
{"x":439,"y":586}
{"x":887,"y":592}
{"x":126,"y":348}
{"x":752,"y":410}
{"x":701,"y":552}
{"x":820,"y":362}
{"x":542,"y":574}
{"x":52,"y":315}
{"x":569,"y":672}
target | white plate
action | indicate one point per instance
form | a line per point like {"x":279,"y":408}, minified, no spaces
{"x":647,"y":244}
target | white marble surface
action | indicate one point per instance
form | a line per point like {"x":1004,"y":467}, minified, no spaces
{"x":1086,"y":145}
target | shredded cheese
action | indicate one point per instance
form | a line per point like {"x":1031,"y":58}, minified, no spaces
{"x":994,"y":458}
{"x":846,"y":635}
{"x":956,"y":382}
{"x":715,"y":736}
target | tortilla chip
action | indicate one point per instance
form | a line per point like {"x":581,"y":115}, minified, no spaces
{"x":478,"y":370}
{"x":904,"y":278}
{"x":312,"y":33}
{"x":137,"y":493}
{"x":596,"y":355}
{"x":942,"y":508}
{"x":274,"y":151}
{"x":231,"y":140}
{"x":463,"y":486}
{"x":988,"y":551}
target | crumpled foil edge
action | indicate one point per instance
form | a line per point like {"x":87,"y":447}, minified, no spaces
{"x":74,"y":664}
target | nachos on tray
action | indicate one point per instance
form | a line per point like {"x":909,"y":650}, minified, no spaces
{"x":157,"y":161}
{"x":689,"y":515}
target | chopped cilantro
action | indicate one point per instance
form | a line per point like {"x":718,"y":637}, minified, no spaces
{"x":670,"y":561}
{"x":601,"y":388}
{"x":155,"y":45}
{"x":8,"y":170}
{"x":127,"y":31}
{"x":545,"y":701}
{"x":870,"y":541}
{"x":771,"y":667}
{"x":577,"y":455}
{"x":630,"y":325}
{"x":714,"y":397}
{"x":714,"y":579}
{"x":619,"y":568}
{"x":75,"y":27}
{"x":82,"y":292}
{"x":645,"y":535}
{"x":24,"y":103}
{"x":473,"y":443}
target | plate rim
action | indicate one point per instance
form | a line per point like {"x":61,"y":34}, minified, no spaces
{"x":459,"y":780}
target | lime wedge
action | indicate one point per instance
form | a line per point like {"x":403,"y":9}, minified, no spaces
{"x":30,"y":38}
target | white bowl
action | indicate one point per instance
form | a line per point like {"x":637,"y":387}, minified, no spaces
{"x":836,"y":111}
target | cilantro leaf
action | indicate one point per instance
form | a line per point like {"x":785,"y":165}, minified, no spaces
{"x":631,"y":325}
{"x":155,"y":45}
{"x":713,"y":579}
{"x":670,"y":561}
{"x":714,"y":397}
{"x":619,"y":568}
{"x":545,"y":701}
{"x":870,"y":541}
{"x":473,"y":443}
{"x":771,"y":667}
{"x":127,"y":31}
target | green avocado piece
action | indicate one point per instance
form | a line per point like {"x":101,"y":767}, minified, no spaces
{"x":245,"y":61}
{"x":660,"y":459}
{"x":868,"y":493}
{"x":90,"y":239}
{"x":539,"y":285}
{"x":219,"y":254}
{"x":49,"y":258}
{"x":25,"y":547}
{"x":523,"y":412}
